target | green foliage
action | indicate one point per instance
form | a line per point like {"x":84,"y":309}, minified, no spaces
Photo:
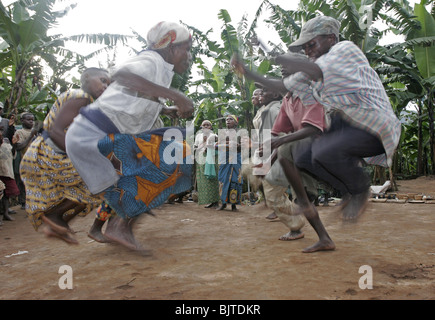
{"x":406,"y":68}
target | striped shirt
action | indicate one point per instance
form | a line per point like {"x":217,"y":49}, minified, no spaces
{"x":351,"y":86}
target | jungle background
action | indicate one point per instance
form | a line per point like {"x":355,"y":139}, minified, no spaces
{"x":36,"y":65}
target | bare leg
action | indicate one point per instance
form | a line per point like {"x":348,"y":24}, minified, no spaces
{"x":96,"y":233}
{"x":121,"y":231}
{"x":54,"y":216}
{"x":310,"y":212}
{"x":6,"y":215}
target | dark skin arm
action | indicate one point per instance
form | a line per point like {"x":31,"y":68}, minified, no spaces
{"x":293,"y":64}
{"x":272,"y":84}
{"x":146,"y":87}
{"x":305,"y":132}
{"x":22,"y":144}
{"x":65,"y":117}
{"x":290,"y":65}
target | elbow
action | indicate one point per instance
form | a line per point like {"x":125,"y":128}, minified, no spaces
{"x":316,"y":74}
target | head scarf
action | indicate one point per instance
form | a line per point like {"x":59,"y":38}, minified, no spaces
{"x":206,"y":122}
{"x":165,"y":33}
{"x":234,"y":117}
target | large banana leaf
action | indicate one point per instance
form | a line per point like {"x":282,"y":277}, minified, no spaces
{"x":424,"y":54}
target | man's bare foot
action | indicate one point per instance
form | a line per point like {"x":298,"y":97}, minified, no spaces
{"x":67,"y":237}
{"x":292,"y":235}
{"x":325,"y":245}
{"x":272,"y":216}
{"x":356,"y":206}
{"x":120,"y":231}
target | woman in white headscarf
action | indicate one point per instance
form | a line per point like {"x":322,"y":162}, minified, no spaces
{"x":111,"y":138}
{"x":206,"y":168}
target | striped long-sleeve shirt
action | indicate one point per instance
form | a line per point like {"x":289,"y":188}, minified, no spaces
{"x":351,"y":86}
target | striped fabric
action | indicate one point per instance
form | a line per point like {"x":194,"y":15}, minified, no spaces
{"x":351,"y":86}
{"x":48,"y":175}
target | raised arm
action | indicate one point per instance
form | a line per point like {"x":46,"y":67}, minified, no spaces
{"x":272,"y":84}
{"x":292,"y":64}
{"x":148,"y":88}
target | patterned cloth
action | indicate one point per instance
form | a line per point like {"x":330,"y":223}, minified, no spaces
{"x":147,"y":178}
{"x":352,"y":87}
{"x":48,"y":174}
{"x":104,"y":212}
{"x":230,"y":178}
{"x":208,"y":186}
{"x":206,"y":167}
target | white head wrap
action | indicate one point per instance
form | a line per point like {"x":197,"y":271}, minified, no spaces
{"x":165,"y":33}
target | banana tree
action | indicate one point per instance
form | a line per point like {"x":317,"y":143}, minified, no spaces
{"x":424,"y":51}
{"x":407,"y":68}
{"x":24,"y":41}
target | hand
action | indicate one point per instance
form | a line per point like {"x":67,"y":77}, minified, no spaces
{"x":184,"y":106}
{"x":290,"y":62}
{"x":238,"y":65}
{"x":171,"y":112}
{"x":12,"y":120}
{"x":276,"y":143}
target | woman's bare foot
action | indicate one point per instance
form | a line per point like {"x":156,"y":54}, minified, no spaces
{"x":67,"y":237}
{"x":96,"y":232}
{"x":222,"y":207}
{"x":120,"y":231}
{"x":56,"y":223}
{"x":98,"y":236}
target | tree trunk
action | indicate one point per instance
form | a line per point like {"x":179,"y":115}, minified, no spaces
{"x":420,"y":141}
{"x":431,"y":130}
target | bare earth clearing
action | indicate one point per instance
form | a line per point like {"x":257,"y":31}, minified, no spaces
{"x":202,"y":254}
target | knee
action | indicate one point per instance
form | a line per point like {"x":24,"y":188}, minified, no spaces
{"x":302,"y":160}
{"x":282,"y":160}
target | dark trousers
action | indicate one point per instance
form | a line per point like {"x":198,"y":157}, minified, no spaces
{"x":335,"y":157}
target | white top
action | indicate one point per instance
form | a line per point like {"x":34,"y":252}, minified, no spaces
{"x":129,"y":113}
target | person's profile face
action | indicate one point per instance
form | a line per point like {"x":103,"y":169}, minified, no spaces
{"x":318,"y":46}
{"x":256,"y":97}
{"x":98,"y":83}
{"x":181,"y":56}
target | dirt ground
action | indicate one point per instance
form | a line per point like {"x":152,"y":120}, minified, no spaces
{"x":202,"y":254}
